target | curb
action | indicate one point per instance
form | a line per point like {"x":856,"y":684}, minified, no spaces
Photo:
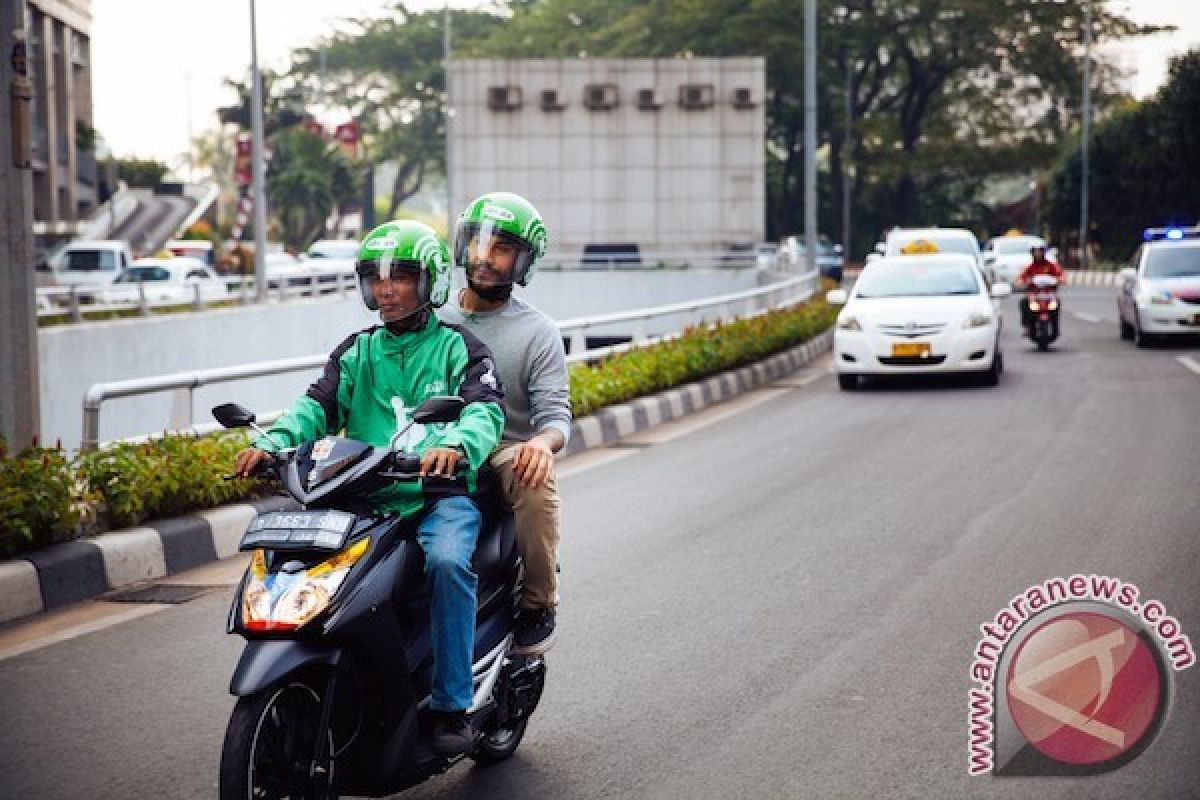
{"x":67,"y":573}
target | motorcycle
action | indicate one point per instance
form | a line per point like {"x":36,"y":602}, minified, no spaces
{"x":1041,"y":312}
{"x":333,"y":683}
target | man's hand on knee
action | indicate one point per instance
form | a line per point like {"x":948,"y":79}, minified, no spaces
{"x":532,"y":462}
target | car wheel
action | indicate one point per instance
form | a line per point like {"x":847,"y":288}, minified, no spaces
{"x":1140,"y":338}
{"x":1126,"y":328}
{"x":992,"y":376}
{"x":847,"y":382}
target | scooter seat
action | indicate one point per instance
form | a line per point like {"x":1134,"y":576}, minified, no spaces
{"x":493,"y":551}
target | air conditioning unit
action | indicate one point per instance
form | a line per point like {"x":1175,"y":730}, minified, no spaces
{"x":743,"y":98}
{"x":696,"y":96}
{"x":552,"y":100}
{"x":649,"y":99}
{"x":504,"y":98}
{"x":600,"y":96}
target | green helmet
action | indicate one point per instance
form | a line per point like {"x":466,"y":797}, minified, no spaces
{"x":407,"y":245}
{"x":507,"y":216}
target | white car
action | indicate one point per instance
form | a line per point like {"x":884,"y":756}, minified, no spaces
{"x":1004,"y":257}
{"x":946,"y":240}
{"x":1159,"y":293}
{"x":918,"y":314}
{"x":166,"y":280}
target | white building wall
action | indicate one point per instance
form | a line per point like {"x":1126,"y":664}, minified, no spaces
{"x":670,"y":179}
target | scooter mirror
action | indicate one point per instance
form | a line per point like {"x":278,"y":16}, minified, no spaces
{"x":231,"y":415}
{"x":1001,"y":289}
{"x":442,"y":408}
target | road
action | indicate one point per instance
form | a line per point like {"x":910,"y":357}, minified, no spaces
{"x":777,"y":598}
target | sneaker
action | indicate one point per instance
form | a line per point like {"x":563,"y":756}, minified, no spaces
{"x":452,"y":733}
{"x":535,"y":631}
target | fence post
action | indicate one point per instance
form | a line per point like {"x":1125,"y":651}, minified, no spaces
{"x":578,"y":341}
{"x":143,"y":308}
{"x":73,"y":302}
{"x":197,"y":303}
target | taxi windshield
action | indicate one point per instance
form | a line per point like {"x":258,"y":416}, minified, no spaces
{"x":903,"y":278}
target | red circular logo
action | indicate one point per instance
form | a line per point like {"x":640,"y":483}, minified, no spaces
{"x":1084,"y":688}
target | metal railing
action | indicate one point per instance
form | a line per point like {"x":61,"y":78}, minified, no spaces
{"x":750,"y":302}
{"x":76,"y":302}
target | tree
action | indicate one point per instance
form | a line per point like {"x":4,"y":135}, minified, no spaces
{"x":389,"y":75}
{"x":306,"y":180}
{"x":1143,"y":164}
{"x":140,"y":173}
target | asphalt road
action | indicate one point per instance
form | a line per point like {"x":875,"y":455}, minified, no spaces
{"x":779,"y":599}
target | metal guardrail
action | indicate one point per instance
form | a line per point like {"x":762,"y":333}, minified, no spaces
{"x":77,"y":301}
{"x":752,"y":302}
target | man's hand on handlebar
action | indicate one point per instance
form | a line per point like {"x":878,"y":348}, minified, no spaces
{"x":439,"y":462}
{"x":250,"y":461}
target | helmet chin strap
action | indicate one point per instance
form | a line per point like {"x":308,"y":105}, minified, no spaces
{"x":414,"y":320}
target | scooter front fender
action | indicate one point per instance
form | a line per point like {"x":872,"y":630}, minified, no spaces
{"x":266,"y":663}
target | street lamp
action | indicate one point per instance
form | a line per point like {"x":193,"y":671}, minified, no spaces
{"x":258,"y":161}
{"x":810,"y":134}
{"x":1087,"y":124}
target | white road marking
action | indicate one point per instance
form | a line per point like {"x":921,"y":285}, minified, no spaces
{"x":29,"y":636}
{"x":1190,"y":363}
{"x":1085,"y":317}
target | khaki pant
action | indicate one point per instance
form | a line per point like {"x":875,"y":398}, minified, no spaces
{"x":536,"y":512}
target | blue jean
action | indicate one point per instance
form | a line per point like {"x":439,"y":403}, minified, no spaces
{"x":448,"y":534}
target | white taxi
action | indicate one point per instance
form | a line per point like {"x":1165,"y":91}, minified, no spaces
{"x":917,"y":314}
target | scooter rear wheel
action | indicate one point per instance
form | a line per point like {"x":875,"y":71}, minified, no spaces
{"x":269,"y":745}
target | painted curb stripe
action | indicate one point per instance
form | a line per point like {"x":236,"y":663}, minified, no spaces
{"x":20,"y":592}
{"x":131,"y":555}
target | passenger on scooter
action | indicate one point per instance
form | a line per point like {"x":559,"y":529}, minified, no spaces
{"x":370,"y":386}
{"x":497,"y":241}
{"x":1039,"y":266}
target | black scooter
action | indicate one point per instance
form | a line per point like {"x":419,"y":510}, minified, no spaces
{"x":333,"y":685}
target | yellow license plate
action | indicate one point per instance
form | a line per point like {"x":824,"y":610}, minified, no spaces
{"x":910,"y":349}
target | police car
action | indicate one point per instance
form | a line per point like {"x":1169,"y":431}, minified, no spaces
{"x":923,"y":311}
{"x":1160,"y":289}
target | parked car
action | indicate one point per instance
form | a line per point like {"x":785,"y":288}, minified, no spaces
{"x":830,"y":256}
{"x":331,"y":256}
{"x":199,"y":249}
{"x":91,"y":264}
{"x":1159,"y":293}
{"x":767,"y":255}
{"x":166,"y":280}
{"x":917,"y":314}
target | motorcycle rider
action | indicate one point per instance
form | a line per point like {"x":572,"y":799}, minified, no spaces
{"x":1040,"y":265}
{"x":497,"y":241}
{"x":370,"y":386}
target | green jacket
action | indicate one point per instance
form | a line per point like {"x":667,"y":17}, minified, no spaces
{"x":375,"y":379}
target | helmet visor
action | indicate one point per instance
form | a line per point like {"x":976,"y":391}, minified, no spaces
{"x":492,"y":257}
{"x":371,"y":271}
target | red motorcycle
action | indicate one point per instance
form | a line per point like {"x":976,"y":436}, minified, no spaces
{"x":1041,"y":311}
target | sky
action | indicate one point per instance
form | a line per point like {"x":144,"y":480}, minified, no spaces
{"x":158,"y":65}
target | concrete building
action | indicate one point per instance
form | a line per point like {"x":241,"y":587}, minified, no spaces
{"x":665,"y":154}
{"x":58,"y":33}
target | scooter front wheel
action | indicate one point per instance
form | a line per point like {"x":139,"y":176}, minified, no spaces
{"x":500,"y":742}
{"x":269,"y":747}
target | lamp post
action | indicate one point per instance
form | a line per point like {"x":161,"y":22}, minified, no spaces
{"x":810,"y":134}
{"x":449,"y":120}
{"x":1087,"y":125}
{"x":257,"y":163}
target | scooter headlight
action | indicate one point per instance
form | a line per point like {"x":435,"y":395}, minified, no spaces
{"x":281,"y":601}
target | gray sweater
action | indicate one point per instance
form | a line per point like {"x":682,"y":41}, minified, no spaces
{"x":532,"y":363}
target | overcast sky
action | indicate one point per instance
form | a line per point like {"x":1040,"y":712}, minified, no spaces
{"x":147,"y":54}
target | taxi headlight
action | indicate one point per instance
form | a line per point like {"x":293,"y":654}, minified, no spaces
{"x":977,"y":321}
{"x":283,"y":602}
{"x":846,"y":323}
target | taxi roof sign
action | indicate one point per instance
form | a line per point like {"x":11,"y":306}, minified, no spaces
{"x":919,"y":246}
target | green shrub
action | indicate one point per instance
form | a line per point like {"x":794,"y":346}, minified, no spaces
{"x":697,"y":353}
{"x":164,"y":477}
{"x":39,"y":504}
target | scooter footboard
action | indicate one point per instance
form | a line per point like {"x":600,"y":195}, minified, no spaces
{"x":265,"y":663}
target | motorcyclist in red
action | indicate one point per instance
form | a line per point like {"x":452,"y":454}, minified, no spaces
{"x":1039,"y":266}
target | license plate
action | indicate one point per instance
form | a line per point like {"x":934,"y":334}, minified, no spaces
{"x":910,"y":349}
{"x":319,"y":529}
